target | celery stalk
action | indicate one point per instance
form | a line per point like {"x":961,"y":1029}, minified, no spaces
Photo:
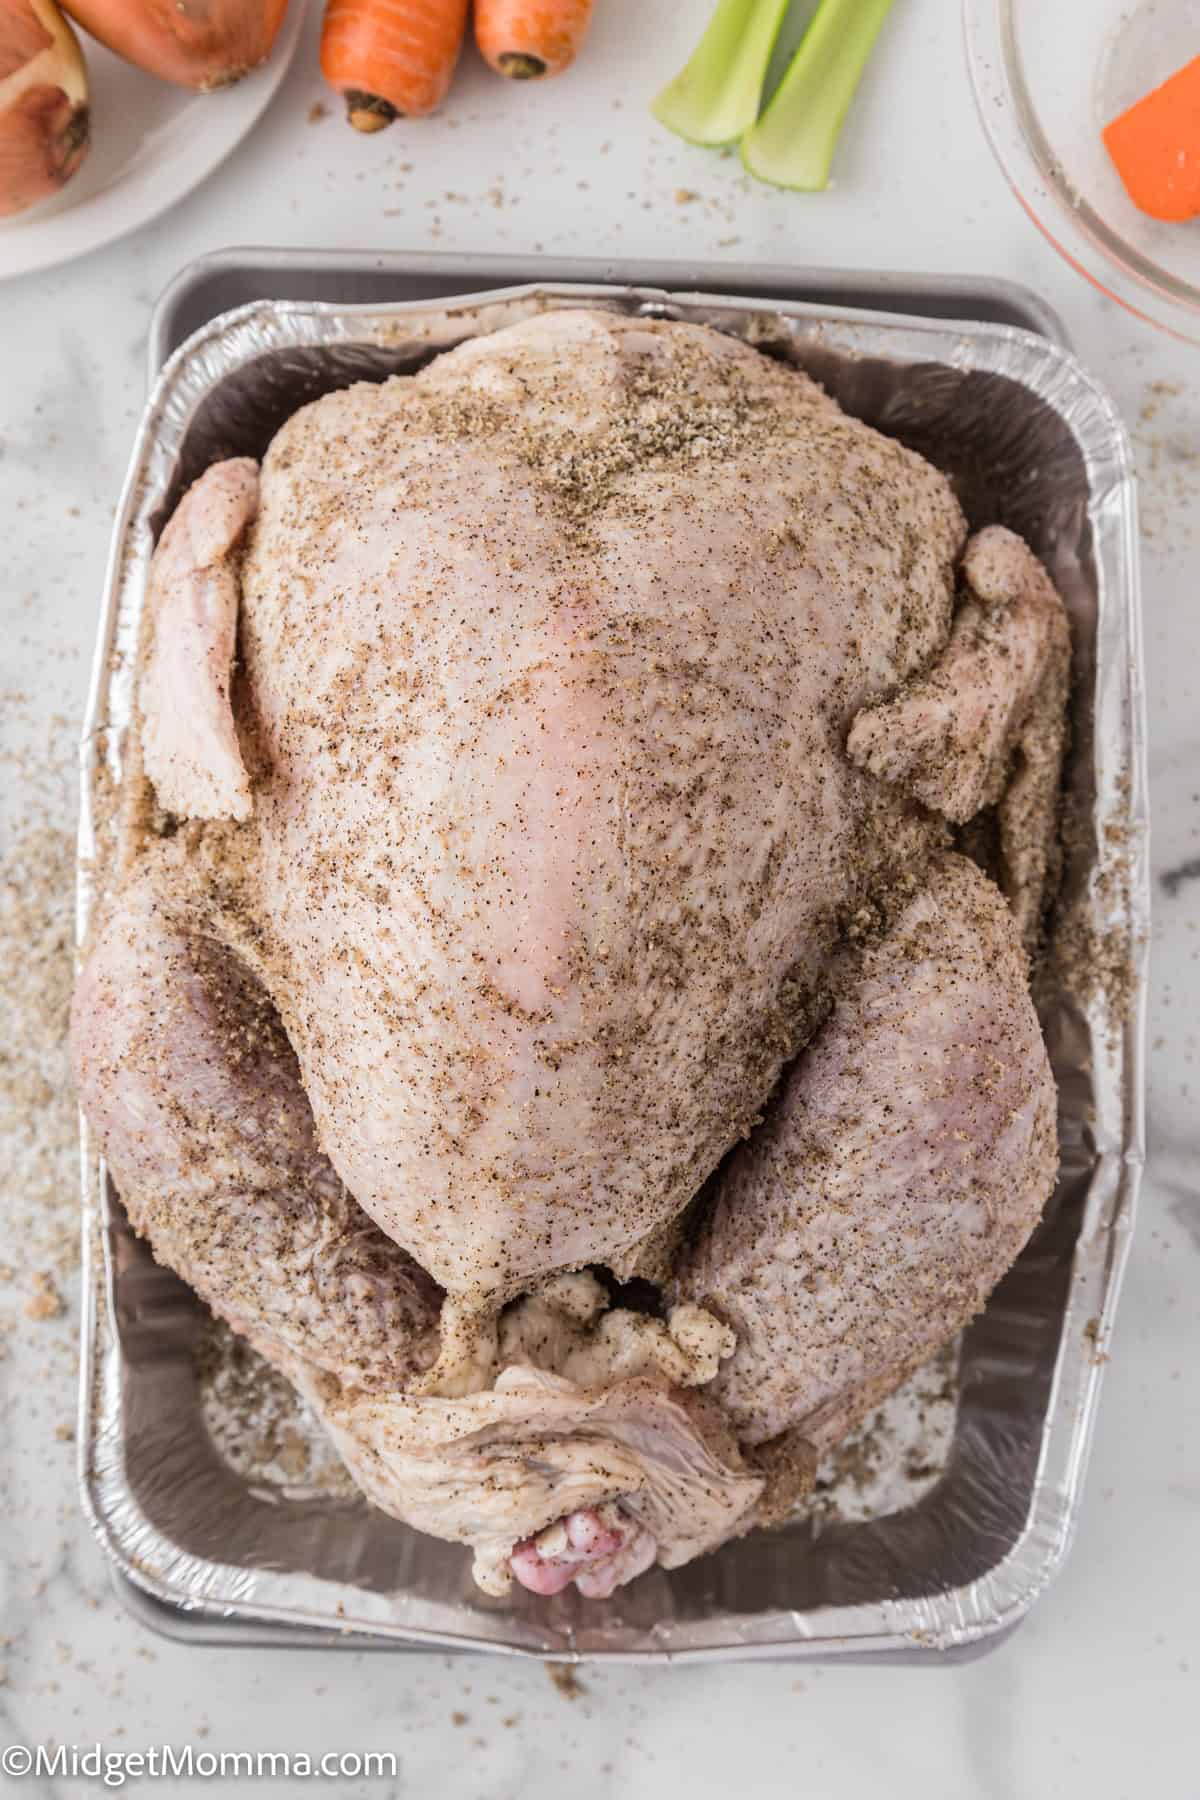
{"x":793,"y":143}
{"x":715,"y":97}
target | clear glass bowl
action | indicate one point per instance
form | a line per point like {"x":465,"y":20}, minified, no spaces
{"x":1048,"y":76}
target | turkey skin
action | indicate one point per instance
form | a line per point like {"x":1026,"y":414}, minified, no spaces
{"x":559,"y":755}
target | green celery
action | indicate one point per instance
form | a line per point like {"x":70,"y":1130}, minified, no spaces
{"x":715,"y":97}
{"x":792,"y":145}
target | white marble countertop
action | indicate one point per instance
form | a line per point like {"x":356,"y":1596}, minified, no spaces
{"x":1097,"y":1692}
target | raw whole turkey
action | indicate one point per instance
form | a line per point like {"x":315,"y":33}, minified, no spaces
{"x":549,"y":1009}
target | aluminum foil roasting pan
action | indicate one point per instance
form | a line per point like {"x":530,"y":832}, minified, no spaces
{"x":1029,"y":439}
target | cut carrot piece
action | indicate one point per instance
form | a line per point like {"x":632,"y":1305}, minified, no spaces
{"x":1156,"y":147}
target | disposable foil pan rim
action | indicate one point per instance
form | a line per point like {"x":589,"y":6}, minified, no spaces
{"x":951,"y":1617}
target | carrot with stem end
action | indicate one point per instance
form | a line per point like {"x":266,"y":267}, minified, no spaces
{"x":715,"y":96}
{"x":529,"y":39}
{"x":793,"y":143}
{"x":391,"y":59}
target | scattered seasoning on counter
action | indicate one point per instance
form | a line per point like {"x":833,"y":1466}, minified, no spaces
{"x":564,"y":1678}
{"x":39,"y":1142}
{"x":45,"y":1301}
{"x":1167,"y":437}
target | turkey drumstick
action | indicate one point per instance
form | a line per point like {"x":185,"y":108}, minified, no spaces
{"x":898,"y":1173}
{"x":191,"y":1087}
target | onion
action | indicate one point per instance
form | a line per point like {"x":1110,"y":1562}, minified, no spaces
{"x":195,"y":43}
{"x":43,"y":103}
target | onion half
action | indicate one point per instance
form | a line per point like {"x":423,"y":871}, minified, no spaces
{"x":43,"y":103}
{"x":199,"y":44}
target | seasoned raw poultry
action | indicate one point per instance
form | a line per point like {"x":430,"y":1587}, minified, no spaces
{"x":578,"y":809}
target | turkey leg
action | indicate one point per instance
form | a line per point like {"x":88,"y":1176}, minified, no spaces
{"x":903,"y":1165}
{"x":192,"y":1089}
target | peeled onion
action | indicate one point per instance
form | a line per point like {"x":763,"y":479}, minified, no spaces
{"x":194,"y":43}
{"x":43,"y":103}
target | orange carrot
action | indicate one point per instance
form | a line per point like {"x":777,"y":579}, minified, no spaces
{"x":391,"y":58}
{"x":525,"y":39}
{"x":1156,"y":147}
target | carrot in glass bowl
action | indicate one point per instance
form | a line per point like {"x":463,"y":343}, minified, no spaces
{"x":391,"y":59}
{"x":529,"y":39}
{"x":1155,"y":146}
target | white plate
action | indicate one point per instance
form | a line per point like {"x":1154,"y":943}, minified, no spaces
{"x":151,"y":144}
